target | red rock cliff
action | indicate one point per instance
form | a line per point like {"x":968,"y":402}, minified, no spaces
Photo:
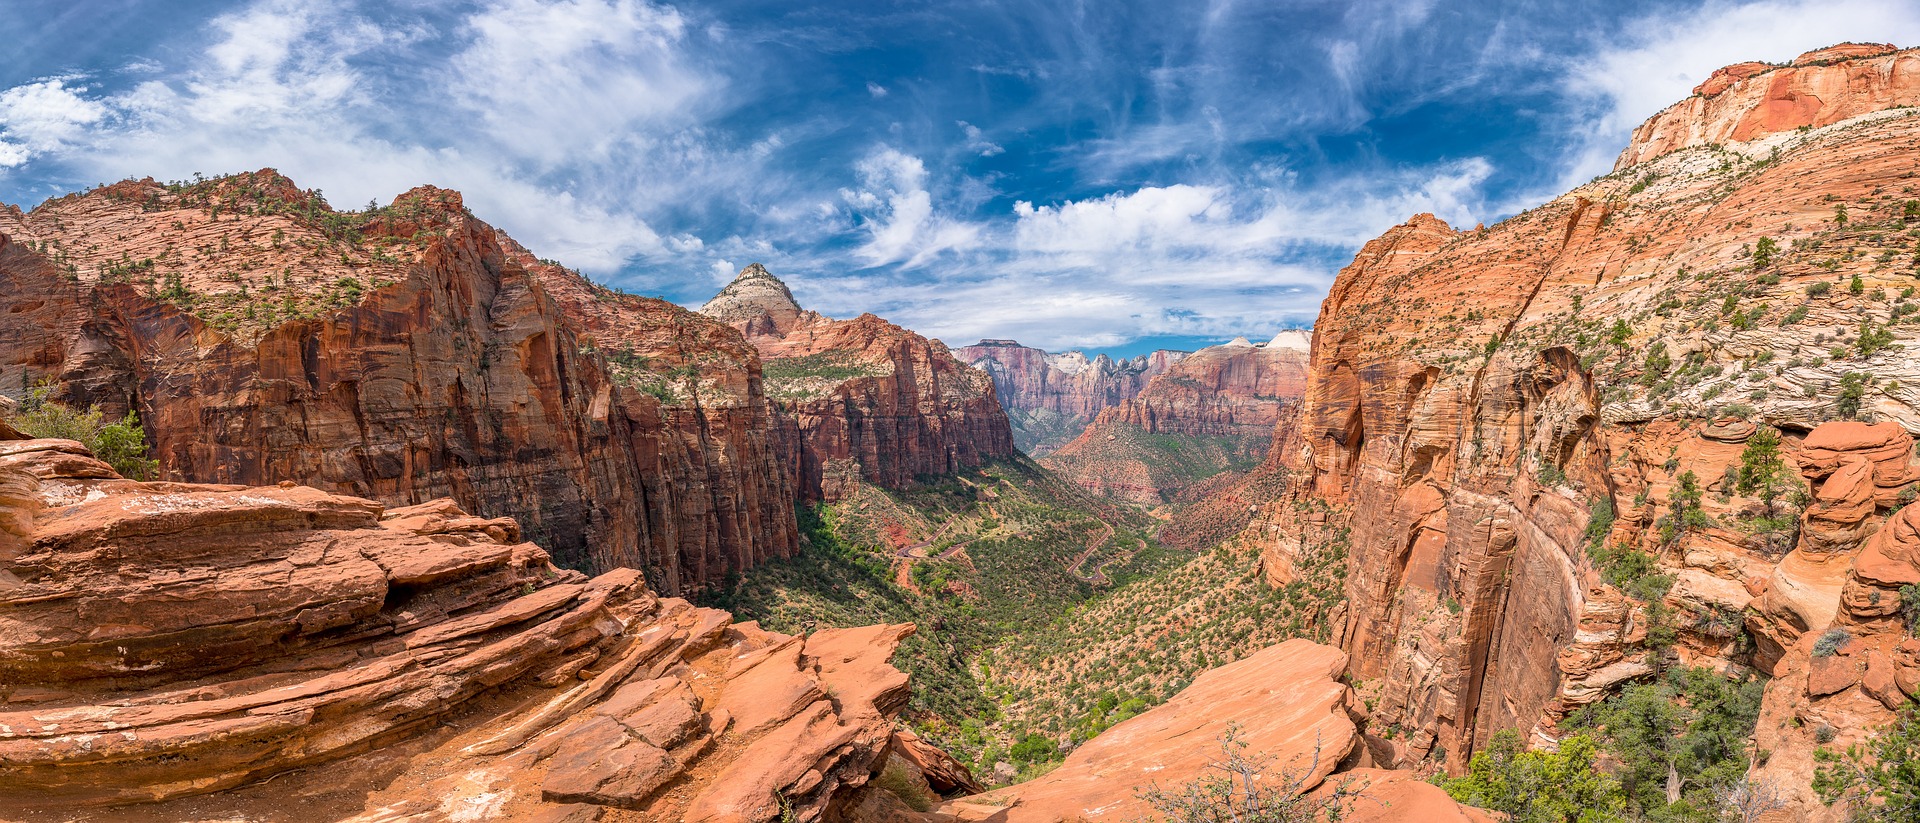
{"x":1221,"y":404}
{"x":1749,"y":101}
{"x":862,"y":400}
{"x":1052,"y":397}
{"x":403,"y":355}
{"x":1475,"y":397}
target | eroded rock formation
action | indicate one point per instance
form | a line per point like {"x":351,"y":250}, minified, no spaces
{"x":1748,"y":101}
{"x":1050,"y":398}
{"x":162,"y":641}
{"x":862,"y":400}
{"x":403,"y":354}
{"x":1477,"y":398}
{"x":1213,"y":410}
{"x":1287,"y":704}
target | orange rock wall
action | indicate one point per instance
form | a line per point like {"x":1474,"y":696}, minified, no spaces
{"x":468,"y":375}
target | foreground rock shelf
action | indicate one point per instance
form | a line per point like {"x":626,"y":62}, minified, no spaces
{"x":161,"y":641}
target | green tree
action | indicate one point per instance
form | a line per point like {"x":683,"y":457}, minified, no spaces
{"x":1620,"y":333}
{"x":1879,"y":780}
{"x":121,"y":444}
{"x":1539,"y":787}
{"x":1853,"y":394}
{"x":1856,"y":285}
{"x":1763,"y":253}
{"x":1840,"y":214}
{"x":1684,"y":514}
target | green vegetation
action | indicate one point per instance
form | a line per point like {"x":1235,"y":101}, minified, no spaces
{"x":1679,"y":744}
{"x":1764,"y":252}
{"x":1879,"y":779}
{"x":122,"y":444}
{"x":1244,"y":788}
{"x":1684,"y":515}
{"x":1763,"y":473}
{"x":1046,"y":615}
{"x":813,"y":375}
{"x":1853,"y":395}
{"x":1539,"y":787}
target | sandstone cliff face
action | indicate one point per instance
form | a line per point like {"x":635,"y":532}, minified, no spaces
{"x":160,"y":641}
{"x":1475,"y":397}
{"x":1748,"y":101}
{"x":861,"y":400}
{"x":404,"y":355}
{"x":1052,"y":397}
{"x":1213,"y":410}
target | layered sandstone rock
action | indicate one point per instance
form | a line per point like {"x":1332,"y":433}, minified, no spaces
{"x":404,"y":354}
{"x":161,"y":641}
{"x":1213,"y":410}
{"x":1287,"y":705}
{"x":1052,"y":397}
{"x":1475,"y":398}
{"x":861,"y":400}
{"x":1748,"y":101}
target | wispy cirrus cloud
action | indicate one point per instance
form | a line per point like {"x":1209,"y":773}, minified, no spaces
{"x":1071,"y":174}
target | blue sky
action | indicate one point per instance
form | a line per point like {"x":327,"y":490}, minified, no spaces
{"x":1106,"y":175}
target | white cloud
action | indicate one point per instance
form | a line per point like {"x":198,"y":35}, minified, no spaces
{"x":559,"y":81}
{"x":897,"y":213}
{"x":876,"y":90}
{"x":44,"y":116}
{"x":977,"y":142}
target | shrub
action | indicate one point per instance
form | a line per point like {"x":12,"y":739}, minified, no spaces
{"x":1539,"y":787}
{"x":121,"y":444}
{"x":1880,"y":779}
{"x":1246,"y":789}
{"x":1820,"y":288}
{"x":1831,"y":642}
{"x":1853,"y":394}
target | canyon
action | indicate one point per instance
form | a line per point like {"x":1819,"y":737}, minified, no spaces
{"x":1050,"y":398}
{"x":432,"y":520}
{"x":1212,"y":411}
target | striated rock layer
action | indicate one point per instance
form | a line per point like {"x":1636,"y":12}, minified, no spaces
{"x":163,"y":641}
{"x":862,"y":400}
{"x":1748,"y":101}
{"x":1212,"y":411}
{"x":1476,"y":399}
{"x":1052,"y":397}
{"x":404,"y":354}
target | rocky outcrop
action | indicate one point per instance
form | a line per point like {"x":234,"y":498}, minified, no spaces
{"x":1476,"y":399}
{"x":403,"y":354}
{"x":1050,"y":397}
{"x":161,"y":641}
{"x":1212,"y":411}
{"x":862,"y":400}
{"x":1749,"y":101}
{"x":1286,"y":704}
